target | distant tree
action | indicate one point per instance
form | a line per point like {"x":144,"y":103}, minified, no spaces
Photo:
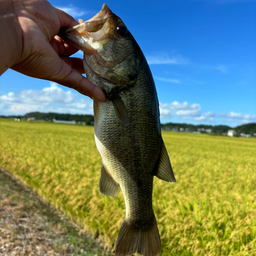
{"x":67,"y":117}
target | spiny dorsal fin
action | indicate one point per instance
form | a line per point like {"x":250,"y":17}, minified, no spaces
{"x":165,"y":171}
{"x":108,"y":186}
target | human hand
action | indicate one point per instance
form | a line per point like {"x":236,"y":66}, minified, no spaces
{"x":45,"y":55}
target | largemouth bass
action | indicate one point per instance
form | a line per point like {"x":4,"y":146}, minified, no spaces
{"x":127,"y":127}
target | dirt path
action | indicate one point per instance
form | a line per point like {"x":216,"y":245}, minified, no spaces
{"x":29,"y":226}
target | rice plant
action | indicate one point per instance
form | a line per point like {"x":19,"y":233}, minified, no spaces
{"x":210,"y":210}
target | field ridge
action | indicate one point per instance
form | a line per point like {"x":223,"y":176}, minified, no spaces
{"x":29,"y":225}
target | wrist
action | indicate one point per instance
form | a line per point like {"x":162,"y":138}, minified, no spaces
{"x":11,"y":37}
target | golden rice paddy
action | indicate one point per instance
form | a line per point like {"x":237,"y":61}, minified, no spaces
{"x":210,"y":210}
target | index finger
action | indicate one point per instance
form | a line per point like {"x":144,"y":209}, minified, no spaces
{"x":62,"y":47}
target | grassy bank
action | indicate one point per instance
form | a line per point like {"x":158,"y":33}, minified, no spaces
{"x":30,"y":226}
{"x":209,"y":211}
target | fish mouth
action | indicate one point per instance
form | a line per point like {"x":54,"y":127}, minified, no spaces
{"x":90,"y":36}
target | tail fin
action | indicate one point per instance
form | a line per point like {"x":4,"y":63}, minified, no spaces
{"x":144,"y":241}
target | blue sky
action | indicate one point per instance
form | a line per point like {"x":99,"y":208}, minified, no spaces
{"x":202,"y":54}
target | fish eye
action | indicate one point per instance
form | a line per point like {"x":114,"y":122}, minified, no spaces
{"x":121,"y":30}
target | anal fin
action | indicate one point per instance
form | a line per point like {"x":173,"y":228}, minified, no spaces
{"x":108,"y":186}
{"x":165,"y":171}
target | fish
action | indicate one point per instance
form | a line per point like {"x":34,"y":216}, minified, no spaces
{"x":127,"y":126}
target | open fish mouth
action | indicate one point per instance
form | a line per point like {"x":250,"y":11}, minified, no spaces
{"x":90,"y":36}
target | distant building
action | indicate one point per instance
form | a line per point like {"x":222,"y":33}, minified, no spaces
{"x":245,"y":135}
{"x":31,"y":119}
{"x":63,"y":122}
{"x":231,"y":133}
{"x":204,"y":130}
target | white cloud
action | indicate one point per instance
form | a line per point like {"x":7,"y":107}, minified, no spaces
{"x":165,"y":59}
{"x":180,"y":112}
{"x":189,"y":113}
{"x":168,"y":80}
{"x":73,"y":11}
{"x":200,"y":118}
{"x":244,"y":117}
{"x":49,"y":99}
{"x":177,"y":106}
{"x":52,"y":94}
{"x":185,"y":111}
{"x":9,"y":97}
{"x":210,"y":116}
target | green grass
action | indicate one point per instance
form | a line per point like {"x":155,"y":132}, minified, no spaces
{"x":210,"y":210}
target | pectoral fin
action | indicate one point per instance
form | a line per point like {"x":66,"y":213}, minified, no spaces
{"x":119,"y":106}
{"x":165,"y":171}
{"x":121,"y":111}
{"x":108,"y":186}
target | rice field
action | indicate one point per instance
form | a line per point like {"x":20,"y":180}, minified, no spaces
{"x":210,"y":210}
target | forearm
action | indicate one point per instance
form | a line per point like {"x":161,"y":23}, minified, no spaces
{"x":10,"y":39}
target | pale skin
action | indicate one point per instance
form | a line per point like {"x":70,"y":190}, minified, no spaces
{"x":30,"y":45}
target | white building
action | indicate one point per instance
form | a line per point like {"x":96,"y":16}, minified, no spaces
{"x":63,"y":122}
{"x":245,"y":135}
{"x":231,"y":133}
{"x":31,"y":119}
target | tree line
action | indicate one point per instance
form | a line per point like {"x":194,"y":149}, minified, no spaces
{"x":214,"y":129}
{"x":89,"y":120}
